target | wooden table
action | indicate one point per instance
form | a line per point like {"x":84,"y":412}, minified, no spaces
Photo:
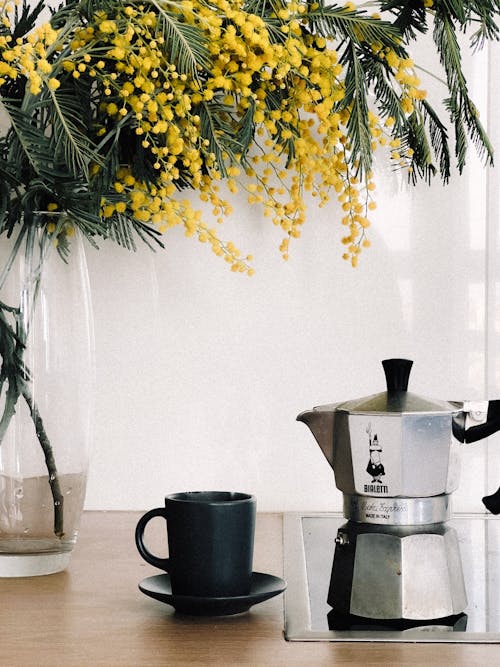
{"x":93,"y":614}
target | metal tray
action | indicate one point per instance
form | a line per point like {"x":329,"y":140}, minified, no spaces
{"x":308,"y":557}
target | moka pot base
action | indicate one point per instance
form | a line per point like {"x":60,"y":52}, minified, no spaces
{"x":309,"y":546}
{"x":396,"y":558}
{"x":397,"y":572}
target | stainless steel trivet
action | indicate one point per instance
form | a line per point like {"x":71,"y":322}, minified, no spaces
{"x":308,"y":556}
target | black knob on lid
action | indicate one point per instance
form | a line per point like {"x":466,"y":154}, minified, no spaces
{"x":397,"y":373}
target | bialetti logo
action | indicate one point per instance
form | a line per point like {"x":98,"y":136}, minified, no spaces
{"x":376,"y":488}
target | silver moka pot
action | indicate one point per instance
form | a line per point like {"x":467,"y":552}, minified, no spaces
{"x":395,"y":456}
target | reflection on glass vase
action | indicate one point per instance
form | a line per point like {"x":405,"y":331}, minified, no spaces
{"x":46,"y":393}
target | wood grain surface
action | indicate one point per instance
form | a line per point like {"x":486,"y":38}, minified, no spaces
{"x":93,"y":614}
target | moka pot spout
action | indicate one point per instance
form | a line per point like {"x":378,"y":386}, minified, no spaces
{"x":321,"y":424}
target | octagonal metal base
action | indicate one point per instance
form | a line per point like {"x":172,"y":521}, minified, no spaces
{"x":410,"y":572}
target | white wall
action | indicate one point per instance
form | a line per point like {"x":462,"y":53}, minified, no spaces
{"x":201,"y":373}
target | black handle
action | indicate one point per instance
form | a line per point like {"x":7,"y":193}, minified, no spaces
{"x":475,"y":433}
{"x":397,"y":373}
{"x":162,"y":563}
{"x":492,"y":503}
{"x":490,"y":426}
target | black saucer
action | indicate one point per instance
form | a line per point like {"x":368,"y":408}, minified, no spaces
{"x":263,"y":587}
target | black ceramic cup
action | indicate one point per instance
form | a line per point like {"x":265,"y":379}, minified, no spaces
{"x":210,"y":542}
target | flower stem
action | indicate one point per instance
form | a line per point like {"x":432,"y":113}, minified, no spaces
{"x":13,"y":370}
{"x":50,"y":462}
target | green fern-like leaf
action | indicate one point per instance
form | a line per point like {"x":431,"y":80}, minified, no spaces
{"x":26,"y":18}
{"x":224,"y":141}
{"x":123,"y":229}
{"x":336,"y":22}
{"x":69,"y":141}
{"x":484,"y":11}
{"x":463,"y":112}
{"x":410,"y":16}
{"x":386,"y":96}
{"x":263,"y":8}
{"x":455,"y":8}
{"x":188,"y":46}
{"x":246,"y":130}
{"x":415,"y":138}
{"x":33,"y":147}
{"x":439,"y":139}
{"x":355,"y":99}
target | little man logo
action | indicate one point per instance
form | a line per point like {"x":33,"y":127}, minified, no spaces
{"x":375,"y":467}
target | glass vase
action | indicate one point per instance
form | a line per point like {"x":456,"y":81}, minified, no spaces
{"x":46,"y":390}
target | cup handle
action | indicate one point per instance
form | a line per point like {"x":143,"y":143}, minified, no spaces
{"x":162,"y":563}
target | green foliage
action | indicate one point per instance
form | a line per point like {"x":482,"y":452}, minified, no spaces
{"x":448,"y":18}
{"x":52,"y":147}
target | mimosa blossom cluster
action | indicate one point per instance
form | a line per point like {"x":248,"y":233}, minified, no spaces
{"x":276,"y":77}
